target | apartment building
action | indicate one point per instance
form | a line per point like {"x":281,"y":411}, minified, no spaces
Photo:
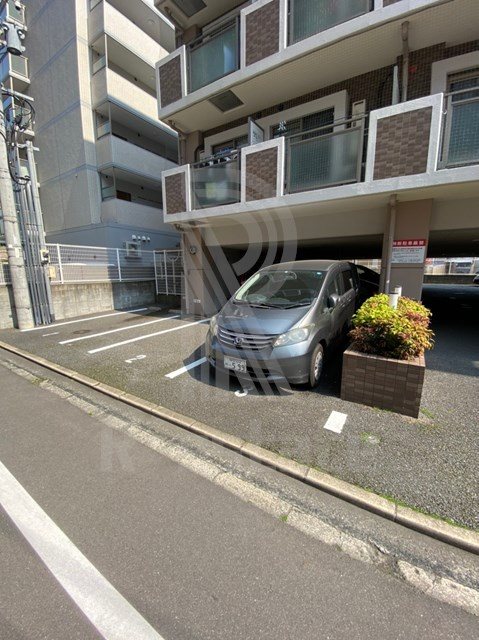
{"x":90,"y":67}
{"x":349,"y":129}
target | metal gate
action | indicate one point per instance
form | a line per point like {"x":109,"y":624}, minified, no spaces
{"x":169,"y":275}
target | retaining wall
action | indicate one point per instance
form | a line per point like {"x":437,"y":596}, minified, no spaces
{"x":71,"y":300}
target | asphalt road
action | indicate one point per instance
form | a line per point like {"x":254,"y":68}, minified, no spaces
{"x":428,"y":463}
{"x":191,"y":559}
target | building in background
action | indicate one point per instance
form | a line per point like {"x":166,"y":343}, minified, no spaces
{"x":89,"y":66}
{"x":350,"y":128}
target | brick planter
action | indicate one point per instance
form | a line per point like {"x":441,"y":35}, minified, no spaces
{"x":383,"y":382}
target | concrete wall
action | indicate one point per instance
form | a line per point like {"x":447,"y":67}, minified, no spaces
{"x":72,"y":300}
{"x":7,"y":311}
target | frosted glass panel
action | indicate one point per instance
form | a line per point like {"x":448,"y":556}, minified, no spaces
{"x":216,"y":184}
{"x":309,"y":17}
{"x":464,"y":137}
{"x":214,"y":58}
{"x":324,"y":160}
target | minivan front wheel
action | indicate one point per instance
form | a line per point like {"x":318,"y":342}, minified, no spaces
{"x":316,"y":366}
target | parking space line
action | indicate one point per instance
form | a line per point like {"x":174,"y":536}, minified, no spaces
{"x":109,"y":612}
{"x":336,"y":421}
{"x":107,"y":315}
{"x":105,"y":333}
{"x":178,"y":372}
{"x":149,"y":335}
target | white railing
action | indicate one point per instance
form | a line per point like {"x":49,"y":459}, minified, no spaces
{"x":169,"y":274}
{"x":75,"y":264}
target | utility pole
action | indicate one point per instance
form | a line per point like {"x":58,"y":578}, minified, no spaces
{"x":16,"y":262}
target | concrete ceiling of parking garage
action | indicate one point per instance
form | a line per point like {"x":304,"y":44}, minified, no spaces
{"x":353,"y":222}
{"x":213,"y":9}
{"x":369,"y":50}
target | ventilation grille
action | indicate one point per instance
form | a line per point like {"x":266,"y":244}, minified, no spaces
{"x":189,"y":7}
{"x":226,"y":101}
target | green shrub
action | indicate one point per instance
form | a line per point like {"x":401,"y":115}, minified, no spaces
{"x":401,"y":333}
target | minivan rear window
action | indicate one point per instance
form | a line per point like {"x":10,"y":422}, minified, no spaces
{"x":281,"y":288}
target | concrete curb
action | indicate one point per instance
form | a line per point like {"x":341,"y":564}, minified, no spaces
{"x":428,"y":525}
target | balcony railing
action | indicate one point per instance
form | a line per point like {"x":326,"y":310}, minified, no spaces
{"x":213,"y":56}
{"x":461,"y":130}
{"x":216,"y":181}
{"x":309,"y":17}
{"x":325,"y":158}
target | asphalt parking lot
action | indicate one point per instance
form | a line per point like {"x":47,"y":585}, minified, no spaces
{"x":429,"y":463}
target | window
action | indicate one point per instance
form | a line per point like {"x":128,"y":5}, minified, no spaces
{"x":348,"y":281}
{"x":230,"y":145}
{"x":306,"y":123}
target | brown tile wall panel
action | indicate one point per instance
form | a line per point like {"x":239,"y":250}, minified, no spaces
{"x":402,"y":144}
{"x":170,"y":81}
{"x":262,"y":32}
{"x":261,"y":174}
{"x":175,"y":196}
{"x":375,"y":87}
{"x":386,"y":383}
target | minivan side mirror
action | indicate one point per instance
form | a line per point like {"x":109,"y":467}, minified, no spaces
{"x":333,"y":300}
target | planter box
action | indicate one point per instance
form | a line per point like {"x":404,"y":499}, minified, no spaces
{"x":385,"y":383}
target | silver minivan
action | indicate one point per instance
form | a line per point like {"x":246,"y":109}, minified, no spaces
{"x":281,"y":321}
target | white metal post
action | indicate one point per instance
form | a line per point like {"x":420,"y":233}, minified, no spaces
{"x":118,"y":263}
{"x":60,"y":266}
{"x":166,"y":272}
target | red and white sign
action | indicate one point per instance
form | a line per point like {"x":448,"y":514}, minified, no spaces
{"x":411,"y":251}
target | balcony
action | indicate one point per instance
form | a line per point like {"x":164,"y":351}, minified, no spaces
{"x":106,"y":19}
{"x":265,"y":55}
{"x":132,"y":213}
{"x":130,"y":158}
{"x":419,"y":147}
{"x":110,"y":85}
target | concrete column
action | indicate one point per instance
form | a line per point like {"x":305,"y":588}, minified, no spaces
{"x":411,"y":221}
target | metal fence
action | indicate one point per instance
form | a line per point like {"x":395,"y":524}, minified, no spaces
{"x":169,"y":273}
{"x":74,"y":263}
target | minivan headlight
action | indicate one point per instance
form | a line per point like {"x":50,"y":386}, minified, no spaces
{"x":300,"y":334}
{"x":214,"y":326}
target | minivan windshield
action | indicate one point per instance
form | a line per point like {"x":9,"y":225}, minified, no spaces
{"x":283,"y":289}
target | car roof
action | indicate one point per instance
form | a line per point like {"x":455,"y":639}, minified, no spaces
{"x":306,"y":265}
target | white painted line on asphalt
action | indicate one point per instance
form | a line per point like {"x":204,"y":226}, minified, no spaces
{"x":131,"y":360}
{"x":178,"y":372}
{"x":55,"y":333}
{"x":336,"y":421}
{"x":108,"y":611}
{"x":149,"y":335}
{"x":105,"y":333}
{"x":107,"y":315}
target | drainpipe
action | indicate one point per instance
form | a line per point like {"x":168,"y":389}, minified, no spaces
{"x":405,"y":59}
{"x":181,"y":142}
{"x":386,"y":267}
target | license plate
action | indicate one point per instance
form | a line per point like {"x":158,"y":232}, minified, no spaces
{"x":235,"y":364}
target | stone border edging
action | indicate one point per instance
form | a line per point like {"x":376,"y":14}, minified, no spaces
{"x":428,"y":525}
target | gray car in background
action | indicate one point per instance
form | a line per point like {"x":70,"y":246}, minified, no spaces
{"x":282,"y":321}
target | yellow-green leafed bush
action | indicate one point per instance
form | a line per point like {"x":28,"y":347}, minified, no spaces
{"x":401,"y":333}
